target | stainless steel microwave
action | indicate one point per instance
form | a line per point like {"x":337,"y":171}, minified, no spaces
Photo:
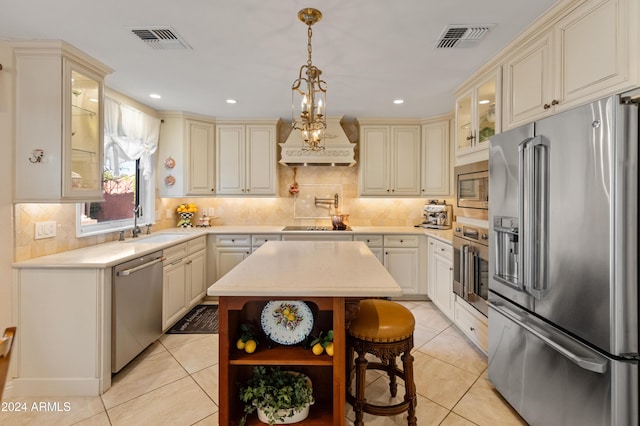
{"x":472,"y":185}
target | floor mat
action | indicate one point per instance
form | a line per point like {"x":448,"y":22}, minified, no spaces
{"x":202,"y":319}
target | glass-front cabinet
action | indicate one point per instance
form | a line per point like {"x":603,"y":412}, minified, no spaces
{"x":477,"y":115}
{"x":59,"y":123}
{"x":84,"y":159}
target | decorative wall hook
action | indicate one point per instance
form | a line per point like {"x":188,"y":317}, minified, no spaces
{"x":36,"y":156}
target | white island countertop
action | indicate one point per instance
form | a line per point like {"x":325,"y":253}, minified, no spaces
{"x":309,"y":268}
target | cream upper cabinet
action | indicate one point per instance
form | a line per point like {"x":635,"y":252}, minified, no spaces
{"x":587,"y":53}
{"x":389,"y":160}
{"x":59,"y":123}
{"x":592,"y":50}
{"x":246,"y":158}
{"x":528,"y":82}
{"x":435,"y":158}
{"x":478,"y":114}
{"x":186,"y":156}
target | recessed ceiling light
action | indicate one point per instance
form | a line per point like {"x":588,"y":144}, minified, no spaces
{"x":484,"y":101}
{"x":231,"y":101}
{"x":398,"y":101}
{"x":155,"y":96}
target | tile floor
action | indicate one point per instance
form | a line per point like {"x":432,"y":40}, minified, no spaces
{"x":175,"y":382}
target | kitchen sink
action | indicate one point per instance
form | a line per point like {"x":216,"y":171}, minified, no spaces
{"x":155,"y":239}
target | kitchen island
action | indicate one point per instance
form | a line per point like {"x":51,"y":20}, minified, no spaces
{"x":322,"y":274}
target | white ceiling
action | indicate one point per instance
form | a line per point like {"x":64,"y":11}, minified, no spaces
{"x":370,"y":51}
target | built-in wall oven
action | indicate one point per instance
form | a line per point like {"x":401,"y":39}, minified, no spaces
{"x":471,"y":265}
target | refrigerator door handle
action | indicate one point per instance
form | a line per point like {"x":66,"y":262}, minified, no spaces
{"x":588,"y":359}
{"x":532,"y":211}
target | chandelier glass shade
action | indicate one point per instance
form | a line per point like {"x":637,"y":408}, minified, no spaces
{"x":309,"y":91}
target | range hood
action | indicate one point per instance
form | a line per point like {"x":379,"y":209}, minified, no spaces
{"x":339,"y":151}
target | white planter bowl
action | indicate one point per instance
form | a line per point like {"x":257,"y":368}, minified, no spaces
{"x":298,"y":416}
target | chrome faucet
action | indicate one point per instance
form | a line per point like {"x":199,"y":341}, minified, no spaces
{"x":137,"y":211}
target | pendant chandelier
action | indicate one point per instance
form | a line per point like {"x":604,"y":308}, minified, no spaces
{"x":311,"y":120}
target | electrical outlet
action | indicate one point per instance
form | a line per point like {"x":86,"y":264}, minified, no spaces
{"x":212,"y":212}
{"x":45,"y":229}
{"x":169,"y":214}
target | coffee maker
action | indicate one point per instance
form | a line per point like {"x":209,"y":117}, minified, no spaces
{"x":437,"y":215}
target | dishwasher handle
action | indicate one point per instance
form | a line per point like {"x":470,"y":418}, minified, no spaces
{"x":130,"y":271}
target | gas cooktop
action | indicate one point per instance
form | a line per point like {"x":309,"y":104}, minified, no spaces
{"x":314,"y":228}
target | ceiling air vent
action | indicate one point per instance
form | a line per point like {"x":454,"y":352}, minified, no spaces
{"x":462,"y":35}
{"x":161,"y":38}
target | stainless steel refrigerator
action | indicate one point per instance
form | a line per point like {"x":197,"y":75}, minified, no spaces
{"x":563,"y":288}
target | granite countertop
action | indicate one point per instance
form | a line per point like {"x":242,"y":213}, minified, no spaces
{"x":113,"y":253}
{"x":292,"y":268}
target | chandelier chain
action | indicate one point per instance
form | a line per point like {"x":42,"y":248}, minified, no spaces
{"x":309,"y":33}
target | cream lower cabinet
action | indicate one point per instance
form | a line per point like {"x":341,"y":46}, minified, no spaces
{"x":188,"y":140}
{"x":389,"y":160}
{"x":246,"y":158}
{"x":229,"y":251}
{"x":472,"y":323}
{"x":63,"y":344}
{"x":374,"y":242}
{"x":590,"y":52}
{"x":402,"y":258}
{"x":440,"y":265}
{"x":183,"y":279}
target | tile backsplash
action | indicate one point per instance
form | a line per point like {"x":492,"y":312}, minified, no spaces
{"x":228,"y":211}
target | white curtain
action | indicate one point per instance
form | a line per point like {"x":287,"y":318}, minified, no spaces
{"x":129,"y":134}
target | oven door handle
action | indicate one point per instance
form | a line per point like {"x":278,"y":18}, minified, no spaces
{"x":469,"y":272}
{"x":472,"y":273}
{"x":462,"y":267}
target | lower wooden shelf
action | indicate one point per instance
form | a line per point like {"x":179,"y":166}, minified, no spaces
{"x":326,"y":373}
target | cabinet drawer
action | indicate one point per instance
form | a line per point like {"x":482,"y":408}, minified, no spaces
{"x":401,"y":240}
{"x":174,"y":253}
{"x":241,"y":240}
{"x":472,"y":323}
{"x":370,"y":240}
{"x":444,"y":249}
{"x":259,"y":239}
{"x":197,"y":244}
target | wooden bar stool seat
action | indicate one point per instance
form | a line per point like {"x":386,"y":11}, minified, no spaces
{"x":383,"y":329}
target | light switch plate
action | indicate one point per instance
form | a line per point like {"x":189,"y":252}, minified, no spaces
{"x":45,"y":229}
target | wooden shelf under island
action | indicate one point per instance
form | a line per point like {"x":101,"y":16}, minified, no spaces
{"x":322,"y":274}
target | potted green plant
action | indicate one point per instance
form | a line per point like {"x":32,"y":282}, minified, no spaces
{"x":280,"y":397}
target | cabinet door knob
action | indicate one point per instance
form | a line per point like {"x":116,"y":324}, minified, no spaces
{"x":555,"y":102}
{"x":546,"y":106}
{"x":248,"y":190}
{"x":213,"y":190}
{"x":472,"y":329}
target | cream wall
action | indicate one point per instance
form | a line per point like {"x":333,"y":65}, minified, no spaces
{"x":6,"y":177}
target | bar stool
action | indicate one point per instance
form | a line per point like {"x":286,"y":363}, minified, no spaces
{"x":383,"y":329}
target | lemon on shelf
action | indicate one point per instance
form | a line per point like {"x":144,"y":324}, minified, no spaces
{"x":250,"y":346}
{"x":247,"y":341}
{"x":322,"y":343}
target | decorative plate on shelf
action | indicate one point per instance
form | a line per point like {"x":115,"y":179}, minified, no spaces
{"x":286,"y":321}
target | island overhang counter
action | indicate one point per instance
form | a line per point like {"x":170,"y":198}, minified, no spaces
{"x":327,"y":276}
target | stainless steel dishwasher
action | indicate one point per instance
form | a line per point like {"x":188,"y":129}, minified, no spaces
{"x":136,"y":309}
